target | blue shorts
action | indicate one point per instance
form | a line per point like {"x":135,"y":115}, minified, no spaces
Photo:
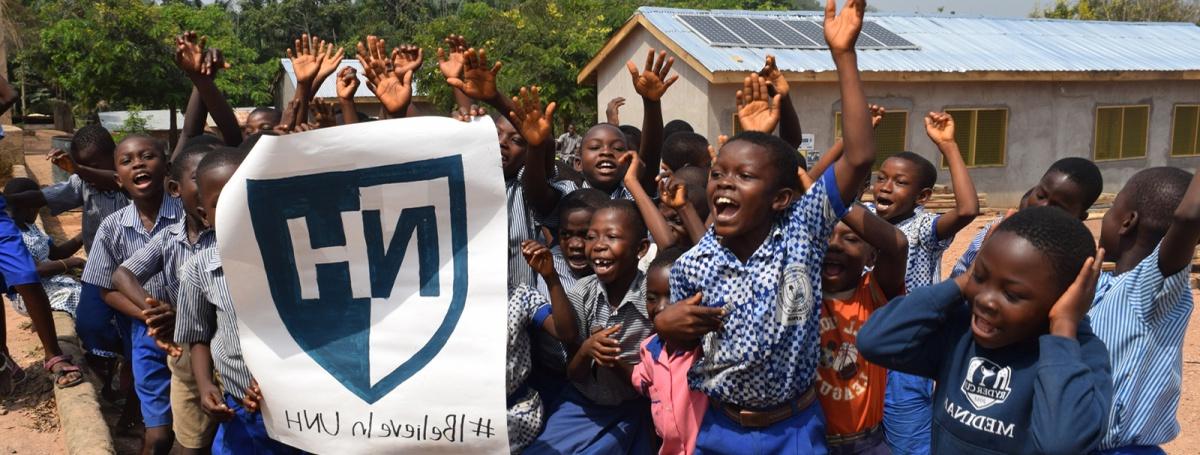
{"x":151,"y":377}
{"x":580,"y":426}
{"x":245,"y":433}
{"x":16,"y":265}
{"x":802,"y":433}
{"x":102,"y":331}
{"x":908,"y":413}
{"x":1133,"y":450}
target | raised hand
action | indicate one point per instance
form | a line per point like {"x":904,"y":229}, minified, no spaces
{"x":877,"y":113}
{"x":940,"y":127}
{"x":347,"y":83}
{"x":841,"y":30}
{"x":393,"y":89}
{"x":476,"y":79}
{"x":407,"y":58}
{"x":63,"y":160}
{"x":633,"y":167}
{"x":613,"y":112}
{"x":214,"y":60}
{"x":773,"y":77}
{"x":329,"y":61}
{"x":539,"y":258}
{"x":189,"y":53}
{"x":306,"y":59}
{"x":653,"y":82}
{"x":675,"y":195}
{"x":468,"y":115}
{"x":601,"y":347}
{"x":450,"y":62}
{"x":1074,"y":304}
{"x":534,"y":124}
{"x":757,"y":110}
{"x":323,"y":113}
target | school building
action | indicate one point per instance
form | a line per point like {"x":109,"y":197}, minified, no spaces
{"x":1023,"y":92}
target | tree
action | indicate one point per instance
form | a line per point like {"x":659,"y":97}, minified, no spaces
{"x":1124,"y":10}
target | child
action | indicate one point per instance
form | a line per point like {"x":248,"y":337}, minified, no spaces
{"x":661,"y":373}
{"x":686,"y":149}
{"x":570,"y":253}
{"x":53,"y":262}
{"x":602,"y":412}
{"x":141,"y":168}
{"x":905,"y":181}
{"x":850,"y":388}
{"x":1070,"y":184}
{"x":1017,"y":366}
{"x":758,"y":273}
{"x":207,"y":326}
{"x":261,"y":119}
{"x":683,"y":203}
{"x":1142,"y":307}
{"x":162,"y":257}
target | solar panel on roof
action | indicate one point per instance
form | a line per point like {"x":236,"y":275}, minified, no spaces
{"x":866,"y":42}
{"x":885,"y":36}
{"x":711,"y":30}
{"x":785,"y":34}
{"x":747,"y":31}
{"x":810,"y":30}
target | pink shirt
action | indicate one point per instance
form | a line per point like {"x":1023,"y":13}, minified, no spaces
{"x":677,"y":410}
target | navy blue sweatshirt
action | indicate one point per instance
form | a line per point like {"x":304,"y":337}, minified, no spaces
{"x":1052,"y":396}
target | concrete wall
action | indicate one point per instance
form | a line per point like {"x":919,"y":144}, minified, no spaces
{"x":1046,"y":120}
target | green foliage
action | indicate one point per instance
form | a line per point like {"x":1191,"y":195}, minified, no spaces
{"x":1124,"y":10}
{"x":135,"y":123}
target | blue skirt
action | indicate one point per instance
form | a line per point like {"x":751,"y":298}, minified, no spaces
{"x":580,"y":426}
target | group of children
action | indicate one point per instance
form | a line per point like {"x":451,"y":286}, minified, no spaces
{"x":662,"y":294}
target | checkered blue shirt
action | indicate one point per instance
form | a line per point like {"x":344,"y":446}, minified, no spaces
{"x":968,"y":257}
{"x":165,"y":255}
{"x":924,"y":247}
{"x":522,"y":225}
{"x":120,"y":236}
{"x":766,"y":353}
{"x":1142,"y":316}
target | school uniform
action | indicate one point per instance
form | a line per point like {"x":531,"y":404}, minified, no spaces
{"x":522,"y":226}
{"x":1142,"y":316}
{"x":62,"y":290}
{"x":120,"y":236}
{"x":16,"y":265}
{"x":908,"y":404}
{"x":164,"y":256}
{"x":1047,"y":395}
{"x":851,"y":389}
{"x":205,"y":314}
{"x":95,"y":321}
{"x":620,"y":192}
{"x":758,"y":369}
{"x":677,"y":410}
{"x":603,"y":414}
{"x":525,"y":416}
{"x":964,"y":262}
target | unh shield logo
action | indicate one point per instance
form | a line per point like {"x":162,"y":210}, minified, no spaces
{"x":324,"y":277}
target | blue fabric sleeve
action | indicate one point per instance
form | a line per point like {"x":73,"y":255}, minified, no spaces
{"x":1072,"y":394}
{"x":64,"y":196}
{"x":908,"y":334}
{"x":541,"y":315}
{"x":829,"y":179}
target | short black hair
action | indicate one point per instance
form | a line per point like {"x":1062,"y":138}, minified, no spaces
{"x":179,"y":161}
{"x":159,"y":144}
{"x":221,"y":156}
{"x":695,"y":179}
{"x":685,"y":149}
{"x":1059,"y":236}
{"x":19,"y":185}
{"x":1084,"y":173}
{"x":274,"y":113}
{"x":608,"y":125}
{"x":631,"y":211}
{"x":588,"y":199}
{"x":249,"y":142}
{"x":93,"y":136}
{"x":928,"y":173}
{"x":567,"y":172}
{"x":1155,"y":193}
{"x":665,"y":258}
{"x":633,"y":137}
{"x":677,"y":126}
{"x":783,"y":154}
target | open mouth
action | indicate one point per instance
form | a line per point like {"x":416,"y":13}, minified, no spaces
{"x":577,"y":261}
{"x":606,"y":167}
{"x":883,"y":203}
{"x":832,"y":269}
{"x":982,"y":327}
{"x":602,"y":266}
{"x":726,"y":208}
{"x":142,"y":179}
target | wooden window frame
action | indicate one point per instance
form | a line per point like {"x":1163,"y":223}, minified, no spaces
{"x":1196,"y":133}
{"x":970,"y":148}
{"x":837,"y":129}
{"x":1121,"y":138}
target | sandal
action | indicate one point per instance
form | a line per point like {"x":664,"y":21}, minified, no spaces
{"x":63,"y":371}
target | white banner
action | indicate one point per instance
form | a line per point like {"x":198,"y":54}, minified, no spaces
{"x":367,"y":267}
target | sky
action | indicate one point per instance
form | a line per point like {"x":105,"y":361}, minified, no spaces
{"x":994,"y":8}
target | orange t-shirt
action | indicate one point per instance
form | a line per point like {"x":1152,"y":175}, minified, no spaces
{"x":850,"y":388}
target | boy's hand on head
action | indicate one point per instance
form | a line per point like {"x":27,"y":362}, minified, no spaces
{"x":653,"y":82}
{"x":940,"y":127}
{"x":685,"y":322}
{"x":1074,"y":304}
{"x":254,"y":398}
{"x":539,"y":258}
{"x":841,"y":30}
{"x":451,"y":61}
{"x":877,"y":113}
{"x":62,"y":160}
{"x":347,"y":83}
{"x":602,"y":348}
{"x":213,"y":404}
{"x":757,"y":110}
{"x":612,"y":113}
{"x":535,"y":125}
{"x":476,"y":79}
{"x":306,"y":59}
{"x":773,"y":77}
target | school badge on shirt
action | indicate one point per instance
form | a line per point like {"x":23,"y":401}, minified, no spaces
{"x":795,"y":301}
{"x":986,"y":383}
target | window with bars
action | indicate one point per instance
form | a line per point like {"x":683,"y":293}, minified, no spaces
{"x":1185,"y":130}
{"x":981,"y":134}
{"x":1121,"y":132}
{"x":890,"y":136}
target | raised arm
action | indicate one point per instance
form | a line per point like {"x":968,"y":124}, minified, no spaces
{"x":940,"y":128}
{"x":1179,"y":243}
{"x":612,"y":113}
{"x":536,"y":126}
{"x":757,"y":110}
{"x":908,"y":334}
{"x":347,"y":85}
{"x":651,"y":83}
{"x":393,"y":86}
{"x":835,"y":152}
{"x":674,"y":195}
{"x":191,"y":126}
{"x":841,"y":32}
{"x":789,"y":119}
{"x":450,"y":62}
{"x":190,"y":56}
{"x":664,"y":237}
{"x":328,"y":61}
{"x":891,"y":262}
{"x":561,"y":311}
{"x":478,"y":81}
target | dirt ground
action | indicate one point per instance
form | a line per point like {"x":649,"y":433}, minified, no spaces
{"x":29,"y":422}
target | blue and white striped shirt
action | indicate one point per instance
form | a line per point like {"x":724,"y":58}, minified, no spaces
{"x":968,"y":256}
{"x":204,"y":314}
{"x":1141,"y":316}
{"x":97,"y":205}
{"x":120,"y":236}
{"x":165,"y":255}
{"x":522,"y":225}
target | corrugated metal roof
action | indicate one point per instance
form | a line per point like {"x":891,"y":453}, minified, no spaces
{"x":961,"y":44}
{"x":328,"y":89}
